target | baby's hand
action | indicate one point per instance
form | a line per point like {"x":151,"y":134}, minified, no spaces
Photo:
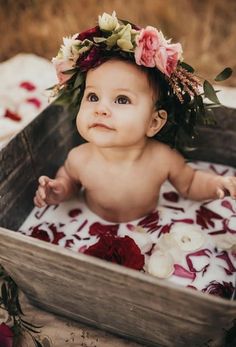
{"x":50,"y":192}
{"x":227,"y":186}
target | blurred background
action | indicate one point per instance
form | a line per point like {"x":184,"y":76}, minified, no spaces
{"x":206,"y":28}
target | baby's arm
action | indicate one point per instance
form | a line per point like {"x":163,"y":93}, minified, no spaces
{"x":62,"y":187}
{"x":197,"y":184}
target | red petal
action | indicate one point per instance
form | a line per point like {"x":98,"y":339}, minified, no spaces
{"x":28,"y":86}
{"x":12,"y":115}
{"x":180,"y":271}
{"x":36,"y":102}
{"x":171,"y":196}
{"x":224,"y":256}
{"x":75,"y":212}
{"x":228,"y":205}
{"x":202,"y":252}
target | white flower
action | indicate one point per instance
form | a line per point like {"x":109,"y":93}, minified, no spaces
{"x":68,"y":49}
{"x":125,"y":40}
{"x":108,"y":22}
{"x":160,"y":264}
{"x":225,"y":241}
{"x":188,"y":238}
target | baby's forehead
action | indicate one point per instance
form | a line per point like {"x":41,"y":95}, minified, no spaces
{"x":118,"y":73}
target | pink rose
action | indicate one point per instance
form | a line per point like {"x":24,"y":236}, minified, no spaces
{"x":147,"y":42}
{"x":167,"y":57}
{"x":62,"y":66}
{"x":6,"y":336}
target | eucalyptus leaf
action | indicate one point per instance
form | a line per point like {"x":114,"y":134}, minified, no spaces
{"x":223,"y":75}
{"x":187,"y":67}
{"x":79,"y":80}
{"x":210,"y":92}
{"x":69,"y":72}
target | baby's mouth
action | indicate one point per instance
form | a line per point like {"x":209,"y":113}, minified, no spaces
{"x":101,"y":126}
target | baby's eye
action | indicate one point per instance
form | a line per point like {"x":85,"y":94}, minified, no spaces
{"x":92,"y":97}
{"x":122,"y":99}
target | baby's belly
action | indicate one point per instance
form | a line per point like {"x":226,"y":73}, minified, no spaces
{"x":120,"y":209}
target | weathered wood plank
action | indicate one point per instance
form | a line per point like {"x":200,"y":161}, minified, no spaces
{"x":112,"y":297}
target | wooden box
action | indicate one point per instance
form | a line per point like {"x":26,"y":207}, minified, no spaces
{"x":121,"y":300}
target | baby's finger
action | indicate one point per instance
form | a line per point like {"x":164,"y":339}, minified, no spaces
{"x":43,"y":180}
{"x":39,"y":202}
{"x":230,"y":185}
{"x":41,"y":192}
{"x":55,"y":185}
{"x":220,"y":193}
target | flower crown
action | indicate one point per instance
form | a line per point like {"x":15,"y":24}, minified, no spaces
{"x":182,"y":93}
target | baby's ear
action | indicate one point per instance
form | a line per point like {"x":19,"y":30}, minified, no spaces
{"x":158,"y":120}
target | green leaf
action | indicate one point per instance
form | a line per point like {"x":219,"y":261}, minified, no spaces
{"x":187,"y":67}
{"x":223,"y":75}
{"x":210,"y":92}
{"x":79,"y":80}
{"x":69,"y":72}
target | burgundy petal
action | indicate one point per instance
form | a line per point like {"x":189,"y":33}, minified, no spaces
{"x":75,"y":212}
{"x":28,"y":86}
{"x":99,"y":229}
{"x":12,"y":115}
{"x":171,"y":196}
{"x":180,"y":271}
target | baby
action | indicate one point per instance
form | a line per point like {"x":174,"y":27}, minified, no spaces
{"x":121,"y":168}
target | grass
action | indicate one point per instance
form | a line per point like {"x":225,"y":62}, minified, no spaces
{"x":206,"y":28}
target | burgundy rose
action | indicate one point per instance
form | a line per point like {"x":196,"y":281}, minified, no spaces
{"x":6,"y":336}
{"x":224,"y":290}
{"x":99,"y":229}
{"x":119,"y":250}
{"x":90,"y":34}
{"x":90,"y":59}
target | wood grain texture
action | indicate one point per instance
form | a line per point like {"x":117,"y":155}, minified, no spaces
{"x":111,"y":297}
{"x":102,"y":294}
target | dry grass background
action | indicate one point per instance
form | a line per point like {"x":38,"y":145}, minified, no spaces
{"x":206,"y":28}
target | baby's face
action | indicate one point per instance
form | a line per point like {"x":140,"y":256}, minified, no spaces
{"x":117,"y":105}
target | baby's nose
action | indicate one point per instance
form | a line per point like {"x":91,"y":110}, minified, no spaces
{"x":102,"y":110}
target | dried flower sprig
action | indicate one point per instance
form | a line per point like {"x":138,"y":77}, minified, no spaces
{"x":14,"y":328}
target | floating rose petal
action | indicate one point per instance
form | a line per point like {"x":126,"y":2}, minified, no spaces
{"x":12,"y":115}
{"x":38,"y":232}
{"x":184,"y":220}
{"x":174,"y":208}
{"x":150,"y":222}
{"x":224,"y":256}
{"x":230,"y":224}
{"x":203,"y":252}
{"x":171,"y":196}
{"x":160,"y":264}
{"x":99,"y":229}
{"x":69,"y":243}
{"x":222,"y":173}
{"x":36,"y":102}
{"x":227,"y":204}
{"x":28,"y":86}
{"x":57,"y":235}
{"x":205,"y":216}
{"x":75,"y":212}
{"x":180,"y":271}
{"x":165,"y":229}
{"x":224,"y":290}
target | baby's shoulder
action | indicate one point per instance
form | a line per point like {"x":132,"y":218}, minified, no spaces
{"x":79,"y":153}
{"x":164,"y":153}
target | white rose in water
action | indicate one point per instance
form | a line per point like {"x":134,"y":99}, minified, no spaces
{"x":160,"y":265}
{"x":108,"y":22}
